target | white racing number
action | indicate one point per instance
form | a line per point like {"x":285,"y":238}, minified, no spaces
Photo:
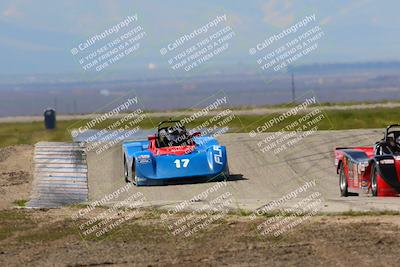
{"x":181,"y":163}
{"x":218,"y":155}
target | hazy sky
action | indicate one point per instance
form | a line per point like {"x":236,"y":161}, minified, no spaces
{"x":37,"y":36}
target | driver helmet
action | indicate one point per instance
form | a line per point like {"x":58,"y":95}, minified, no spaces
{"x":175,"y":135}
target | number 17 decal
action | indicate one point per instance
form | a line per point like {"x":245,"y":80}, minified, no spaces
{"x":183,"y":162}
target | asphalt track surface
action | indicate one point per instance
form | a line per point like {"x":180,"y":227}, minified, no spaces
{"x":257,"y":178}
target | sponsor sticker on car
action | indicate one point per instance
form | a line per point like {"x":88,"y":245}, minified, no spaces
{"x":144,"y":159}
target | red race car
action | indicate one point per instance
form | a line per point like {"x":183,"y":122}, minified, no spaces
{"x":371,"y":169}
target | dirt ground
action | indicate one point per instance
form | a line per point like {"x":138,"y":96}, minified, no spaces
{"x":16,"y":172}
{"x":51,"y":238}
{"x":54,"y":238}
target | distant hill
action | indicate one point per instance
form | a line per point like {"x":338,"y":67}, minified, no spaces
{"x":345,"y":67}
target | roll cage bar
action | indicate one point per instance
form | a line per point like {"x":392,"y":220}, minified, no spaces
{"x":384,"y":145}
{"x":162,"y":125}
{"x":165,"y":122}
{"x":388,"y":130}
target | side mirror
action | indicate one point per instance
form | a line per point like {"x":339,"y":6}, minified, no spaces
{"x":196,"y":134}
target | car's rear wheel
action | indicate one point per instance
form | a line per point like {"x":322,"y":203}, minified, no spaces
{"x":374,"y":181}
{"x":343,"y":182}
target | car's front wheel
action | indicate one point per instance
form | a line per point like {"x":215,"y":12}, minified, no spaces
{"x":126,"y":172}
{"x":343,"y":182}
{"x":134,"y":178}
{"x":374,"y":181}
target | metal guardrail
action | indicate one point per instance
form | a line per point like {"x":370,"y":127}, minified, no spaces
{"x":60,"y":175}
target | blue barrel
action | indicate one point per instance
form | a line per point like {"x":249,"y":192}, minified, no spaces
{"x":50,"y":118}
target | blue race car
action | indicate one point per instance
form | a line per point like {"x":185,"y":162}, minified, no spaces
{"x":172,"y":154}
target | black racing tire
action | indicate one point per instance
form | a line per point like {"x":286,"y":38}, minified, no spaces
{"x":374,"y":181}
{"x":126,"y":173}
{"x":343,"y":182}
{"x":134,"y":173}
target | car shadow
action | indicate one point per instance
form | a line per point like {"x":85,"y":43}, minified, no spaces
{"x":352,"y":194}
{"x":197,"y":180}
{"x":236,"y":177}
